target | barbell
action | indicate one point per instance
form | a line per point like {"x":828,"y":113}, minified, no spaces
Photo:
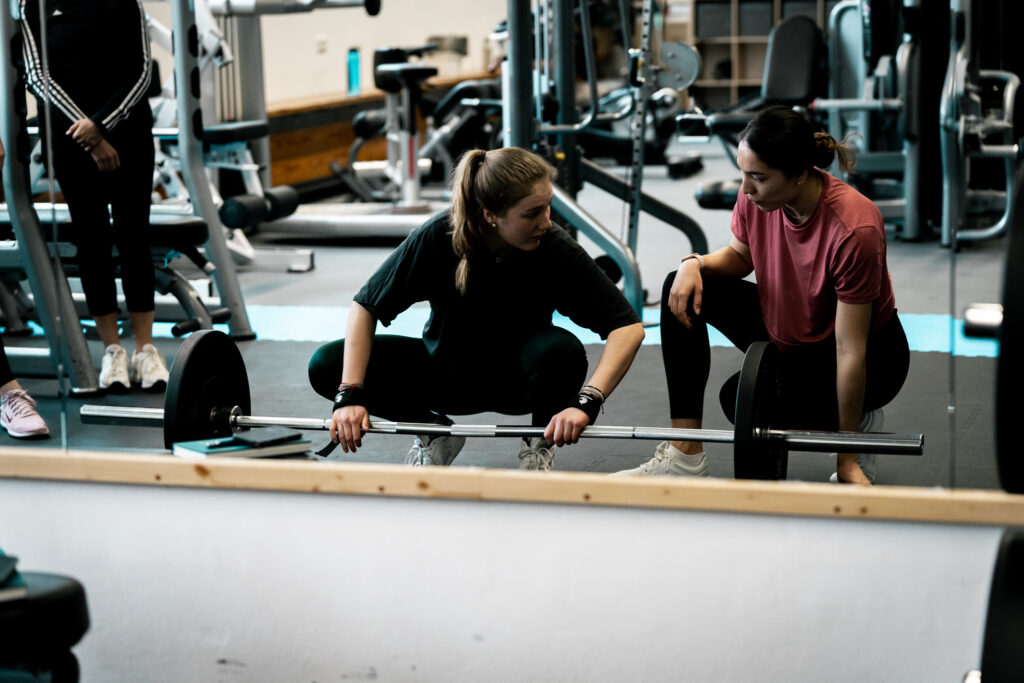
{"x":208,"y":397}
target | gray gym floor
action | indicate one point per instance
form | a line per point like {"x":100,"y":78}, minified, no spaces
{"x":921,"y":275}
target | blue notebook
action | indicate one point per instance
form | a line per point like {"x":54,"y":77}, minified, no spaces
{"x":233,"y":447}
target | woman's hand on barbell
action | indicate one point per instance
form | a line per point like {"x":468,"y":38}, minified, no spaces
{"x":566,"y":426}
{"x":348,"y":424}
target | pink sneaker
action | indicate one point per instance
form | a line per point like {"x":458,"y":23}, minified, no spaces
{"x":19,"y":417}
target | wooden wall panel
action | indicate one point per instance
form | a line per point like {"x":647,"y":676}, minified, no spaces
{"x":308,"y":134}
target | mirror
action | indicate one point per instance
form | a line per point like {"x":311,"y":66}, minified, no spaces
{"x":920,"y":270}
{"x":292,"y":313}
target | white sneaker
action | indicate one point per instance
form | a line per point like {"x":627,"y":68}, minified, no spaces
{"x":873,"y":421}
{"x":537,"y":455}
{"x":114,"y":370}
{"x":670,"y":461}
{"x":434,"y":450}
{"x":149,"y":369}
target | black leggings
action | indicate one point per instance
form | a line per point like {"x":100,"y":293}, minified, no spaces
{"x":127,"y":191}
{"x":404,"y":384}
{"x":808,"y":373}
{"x":6,"y":374}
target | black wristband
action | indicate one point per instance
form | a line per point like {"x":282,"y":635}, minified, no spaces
{"x":588,"y":403}
{"x":352,"y":395}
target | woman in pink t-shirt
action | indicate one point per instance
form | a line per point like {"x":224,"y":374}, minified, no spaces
{"x":823,"y":296}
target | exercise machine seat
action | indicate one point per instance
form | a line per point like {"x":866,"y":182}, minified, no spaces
{"x":720,"y":194}
{"x":165,"y":231}
{"x":393,"y":78}
{"x":369,"y":124}
{"x":234,"y":131}
{"x":795,"y":73}
{"x":489,"y":89}
{"x":172,"y":232}
{"x":42,"y":624}
{"x":396,"y":55}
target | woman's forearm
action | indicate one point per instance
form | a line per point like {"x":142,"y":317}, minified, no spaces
{"x":617,"y":357}
{"x":851,"y":378}
{"x":731,"y":260}
{"x":359,"y":332}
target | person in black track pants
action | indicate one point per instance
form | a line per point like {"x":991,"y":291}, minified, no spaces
{"x":97,"y":72}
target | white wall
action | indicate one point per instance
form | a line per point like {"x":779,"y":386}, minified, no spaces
{"x":215,"y":585}
{"x":294,"y":68}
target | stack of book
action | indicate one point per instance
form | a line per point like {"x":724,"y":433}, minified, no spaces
{"x":261,"y":442}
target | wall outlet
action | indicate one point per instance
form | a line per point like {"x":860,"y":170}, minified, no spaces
{"x":321,"y":44}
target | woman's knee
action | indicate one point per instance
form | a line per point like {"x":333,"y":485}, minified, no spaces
{"x":555,"y":351}
{"x":325,"y":366}
{"x":666,"y":288}
{"x":727,"y":396}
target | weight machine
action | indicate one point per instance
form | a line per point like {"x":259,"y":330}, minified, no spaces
{"x":335,"y":218}
{"x":977,"y":120}
{"x":398,"y":178}
{"x":522,"y":92}
{"x":52,"y":300}
{"x":878,"y":95}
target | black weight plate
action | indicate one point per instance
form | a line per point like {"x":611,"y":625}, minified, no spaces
{"x":207,"y":377}
{"x":756,"y":400}
{"x":1004,"y":623}
{"x":1010,"y":366}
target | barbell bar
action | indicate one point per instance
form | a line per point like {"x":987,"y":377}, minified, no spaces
{"x":208,"y":396}
{"x":860,"y":442}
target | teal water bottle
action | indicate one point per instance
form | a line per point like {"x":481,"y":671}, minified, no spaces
{"x":353,"y":71}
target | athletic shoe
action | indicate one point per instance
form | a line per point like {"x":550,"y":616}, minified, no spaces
{"x":873,"y":421}
{"x":149,"y":369}
{"x":19,"y":417}
{"x":536,"y":455}
{"x":434,"y":450}
{"x":670,"y":461}
{"x":114,"y":370}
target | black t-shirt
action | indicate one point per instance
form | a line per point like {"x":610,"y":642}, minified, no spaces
{"x":508,"y":297}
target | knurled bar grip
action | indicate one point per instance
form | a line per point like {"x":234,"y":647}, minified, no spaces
{"x":854,"y":442}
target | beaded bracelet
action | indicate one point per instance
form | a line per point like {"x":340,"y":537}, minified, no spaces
{"x":590,"y":388}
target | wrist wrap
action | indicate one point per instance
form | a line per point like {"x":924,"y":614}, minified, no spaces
{"x":588,"y":403}
{"x":349,"y":395}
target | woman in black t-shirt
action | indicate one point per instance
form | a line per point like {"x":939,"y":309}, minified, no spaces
{"x":494,"y":269}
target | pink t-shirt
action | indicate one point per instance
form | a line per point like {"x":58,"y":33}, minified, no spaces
{"x":802,"y":271}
